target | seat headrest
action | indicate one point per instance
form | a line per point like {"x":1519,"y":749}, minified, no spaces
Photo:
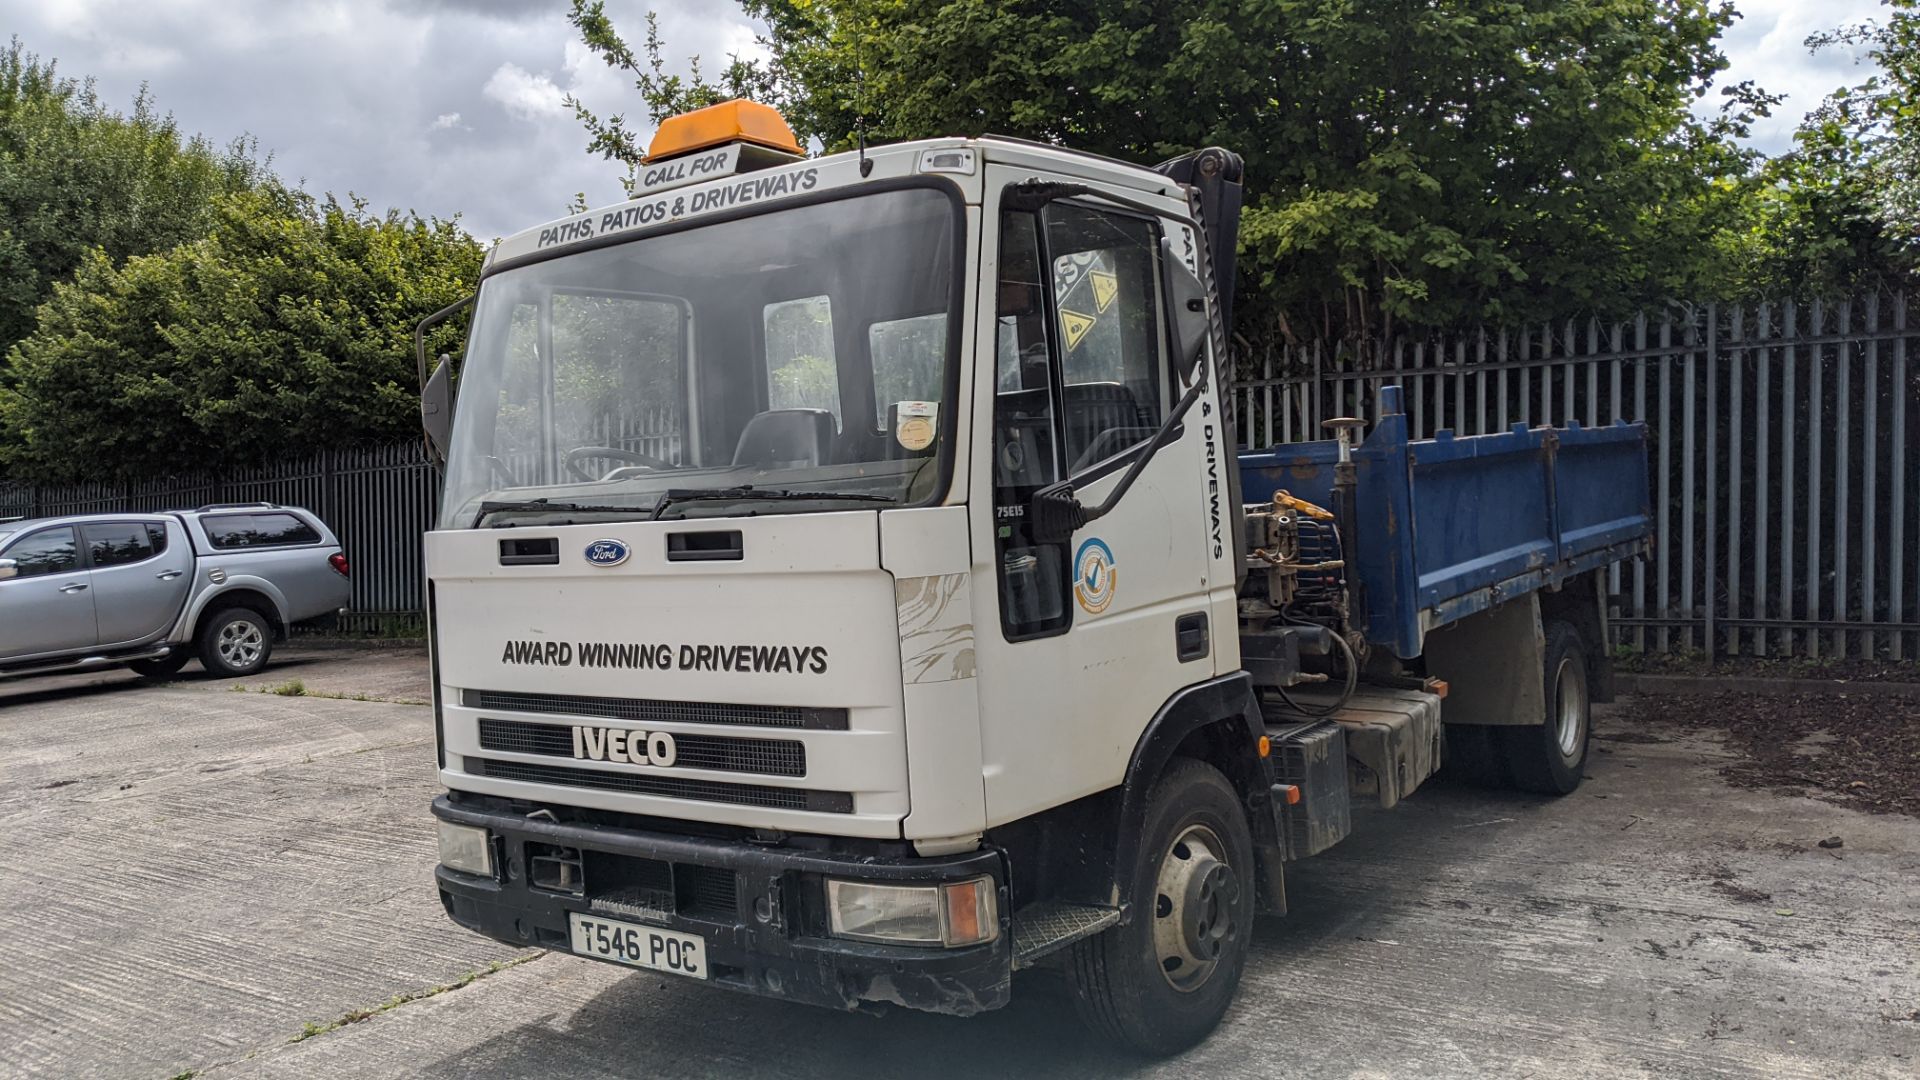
{"x":786,"y":438}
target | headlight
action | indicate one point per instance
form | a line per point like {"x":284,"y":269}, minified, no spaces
{"x":465,"y":848}
{"x":962,"y":913}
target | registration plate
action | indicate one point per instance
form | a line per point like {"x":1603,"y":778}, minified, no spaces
{"x":642,"y":946}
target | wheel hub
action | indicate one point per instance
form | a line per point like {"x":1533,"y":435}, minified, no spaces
{"x":240,"y":643}
{"x":1570,"y":711}
{"x":1208,"y":911}
{"x":1196,"y":896}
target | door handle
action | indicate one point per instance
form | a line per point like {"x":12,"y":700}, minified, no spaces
{"x":73,"y":588}
{"x":167,"y":575}
{"x":1190,"y":639}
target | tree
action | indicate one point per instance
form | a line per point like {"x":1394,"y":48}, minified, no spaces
{"x":1881,"y":116}
{"x":288,"y":328}
{"x":77,"y":176}
{"x":1841,"y":211}
{"x":1435,"y":163}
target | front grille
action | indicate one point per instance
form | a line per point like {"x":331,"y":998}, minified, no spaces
{"x":648,"y":711}
{"x":634,"y":887}
{"x":672,"y":787}
{"x":707,"y":890}
{"x":768,"y":757}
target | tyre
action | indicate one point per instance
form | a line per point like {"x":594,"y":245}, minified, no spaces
{"x":164,"y":667}
{"x":235,"y":642}
{"x":1161,"y":983}
{"x":1549,"y":758}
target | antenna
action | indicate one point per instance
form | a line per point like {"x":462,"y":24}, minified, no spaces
{"x":860,"y":97}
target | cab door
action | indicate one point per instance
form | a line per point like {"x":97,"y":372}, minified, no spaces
{"x":46,"y":608}
{"x":141,"y":572}
{"x":1092,"y":635}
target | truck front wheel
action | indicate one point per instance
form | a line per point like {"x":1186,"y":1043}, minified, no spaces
{"x":1161,"y":983}
{"x":1549,"y":758}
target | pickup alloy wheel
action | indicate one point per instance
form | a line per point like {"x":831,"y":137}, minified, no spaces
{"x":235,"y":642}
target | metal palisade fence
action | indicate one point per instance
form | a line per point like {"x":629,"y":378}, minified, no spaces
{"x":380,"y":500}
{"x":1786,"y":477}
{"x":1781,"y":439}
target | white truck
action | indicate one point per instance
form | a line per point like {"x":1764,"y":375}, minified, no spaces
{"x":844,"y":589}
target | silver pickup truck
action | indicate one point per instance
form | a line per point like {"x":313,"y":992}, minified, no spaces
{"x":152,"y":591}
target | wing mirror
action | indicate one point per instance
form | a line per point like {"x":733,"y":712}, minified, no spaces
{"x":436,"y":405}
{"x":9,"y":568}
{"x":1187,"y":295}
{"x":436,"y":390}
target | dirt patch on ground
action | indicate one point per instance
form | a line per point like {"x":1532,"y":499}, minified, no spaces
{"x":1837,"y":669}
{"x":1859,"y":750}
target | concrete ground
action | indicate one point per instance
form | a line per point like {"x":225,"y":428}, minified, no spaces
{"x":197,"y":877}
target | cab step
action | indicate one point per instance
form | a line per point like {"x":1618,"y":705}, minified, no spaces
{"x":1044,"y":928}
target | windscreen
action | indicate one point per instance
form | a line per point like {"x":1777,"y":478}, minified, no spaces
{"x":791,"y":361}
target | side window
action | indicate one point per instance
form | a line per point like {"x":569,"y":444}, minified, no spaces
{"x":49,"y":551}
{"x":1104,"y":287}
{"x":908,"y":357}
{"x":517,"y":428}
{"x":801,"y":370}
{"x":233,"y":531}
{"x":619,"y":368}
{"x":228,"y":532}
{"x":157,"y":538}
{"x":283,"y":529}
{"x":1033,"y":593}
{"x":117,"y":543}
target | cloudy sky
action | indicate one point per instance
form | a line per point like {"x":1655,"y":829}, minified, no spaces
{"x":455,"y":105}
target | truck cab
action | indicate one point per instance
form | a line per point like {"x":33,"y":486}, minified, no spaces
{"x":838,"y":591}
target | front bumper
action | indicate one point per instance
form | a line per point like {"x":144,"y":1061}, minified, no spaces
{"x":766,"y":935}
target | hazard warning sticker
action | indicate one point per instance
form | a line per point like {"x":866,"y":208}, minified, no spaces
{"x":1076,"y":325}
{"x":1105,"y":287}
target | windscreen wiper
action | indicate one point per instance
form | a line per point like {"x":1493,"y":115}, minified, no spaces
{"x":535,"y":506}
{"x":748,"y":491}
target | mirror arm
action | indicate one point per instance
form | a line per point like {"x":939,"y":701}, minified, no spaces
{"x":1057,"y":514}
{"x":420,"y":334}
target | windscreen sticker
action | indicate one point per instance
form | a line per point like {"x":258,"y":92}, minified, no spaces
{"x":914,"y":424}
{"x":648,"y":211}
{"x":706,"y":194}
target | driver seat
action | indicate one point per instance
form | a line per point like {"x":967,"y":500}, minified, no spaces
{"x":786,"y":438}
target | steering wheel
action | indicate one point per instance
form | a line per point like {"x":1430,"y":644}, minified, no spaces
{"x":584,"y":453}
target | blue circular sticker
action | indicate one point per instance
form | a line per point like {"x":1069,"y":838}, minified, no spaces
{"x":1095,"y":575}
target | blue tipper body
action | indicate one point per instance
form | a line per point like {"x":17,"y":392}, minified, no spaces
{"x":1450,"y":526}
